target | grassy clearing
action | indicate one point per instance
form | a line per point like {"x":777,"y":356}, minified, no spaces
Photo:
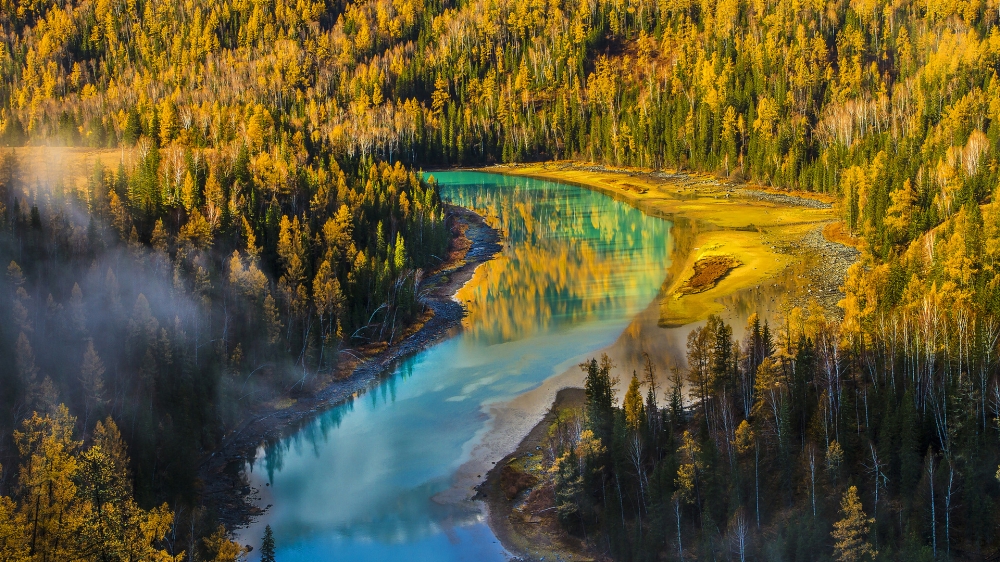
{"x":711,"y":220}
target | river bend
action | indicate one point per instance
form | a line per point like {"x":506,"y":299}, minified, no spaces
{"x":366,"y":480}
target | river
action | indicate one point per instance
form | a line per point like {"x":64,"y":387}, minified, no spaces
{"x":375,"y":478}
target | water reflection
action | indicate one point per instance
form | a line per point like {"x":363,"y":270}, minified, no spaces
{"x":567,"y":257}
{"x":365,"y":479}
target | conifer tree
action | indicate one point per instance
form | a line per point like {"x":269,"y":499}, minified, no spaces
{"x":267,"y":545}
{"x":600,"y":390}
{"x":851,"y":532}
{"x":634,"y":411}
{"x":92,"y":380}
{"x":24,"y":360}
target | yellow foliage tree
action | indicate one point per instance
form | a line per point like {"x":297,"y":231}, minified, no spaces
{"x":851,"y":532}
{"x":634,"y":409}
{"x":13,"y":546}
{"x":689,"y":468}
{"x":76,"y":504}
{"x":221,"y":549}
{"x":197,"y":231}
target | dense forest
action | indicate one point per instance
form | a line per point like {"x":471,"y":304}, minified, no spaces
{"x":799,"y":446}
{"x":210,"y":312}
{"x":267,"y":210}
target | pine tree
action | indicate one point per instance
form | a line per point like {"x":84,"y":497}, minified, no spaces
{"x":568,"y":483}
{"x":92,"y":381}
{"x":676,"y":399}
{"x":15,"y":274}
{"x":267,"y":545}
{"x":600,"y":390}
{"x":722,"y":351}
{"x":24,"y":361}
{"x":77,"y":315}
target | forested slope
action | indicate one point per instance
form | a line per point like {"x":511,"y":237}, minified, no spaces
{"x":252,"y":227}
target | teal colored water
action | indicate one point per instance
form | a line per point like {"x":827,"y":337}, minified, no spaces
{"x":359,"y":482}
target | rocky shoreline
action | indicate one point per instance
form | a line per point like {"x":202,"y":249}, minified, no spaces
{"x":225,"y":490}
{"x":783,"y":198}
{"x":826,"y":264}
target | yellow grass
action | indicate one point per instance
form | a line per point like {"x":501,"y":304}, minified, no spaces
{"x":710,"y":219}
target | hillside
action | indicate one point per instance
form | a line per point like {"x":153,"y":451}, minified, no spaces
{"x":257,"y":209}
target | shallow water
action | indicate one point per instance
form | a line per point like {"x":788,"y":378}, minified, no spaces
{"x":369,"y":480}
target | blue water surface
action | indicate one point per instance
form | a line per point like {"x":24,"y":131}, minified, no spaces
{"x":359,"y":481}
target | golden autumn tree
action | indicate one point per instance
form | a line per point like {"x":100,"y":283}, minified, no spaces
{"x":116,"y":527}
{"x":770,"y":392}
{"x":851,"y":532}
{"x":197,"y":230}
{"x":689,"y":469}
{"x":72,"y":503}
{"x":440,"y":96}
{"x":50,"y":504}
{"x":327,"y":297}
{"x":221,"y":549}
{"x":13,"y":546}
{"x":633,"y":405}
{"x":899,"y":215}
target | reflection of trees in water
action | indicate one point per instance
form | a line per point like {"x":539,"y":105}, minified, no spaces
{"x":313,"y":433}
{"x":316,"y":431}
{"x":570,"y":255}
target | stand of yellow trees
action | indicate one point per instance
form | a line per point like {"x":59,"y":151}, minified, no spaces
{"x":75,"y":503}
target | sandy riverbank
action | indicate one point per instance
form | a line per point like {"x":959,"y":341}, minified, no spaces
{"x":775,"y":255}
{"x":763,"y":231}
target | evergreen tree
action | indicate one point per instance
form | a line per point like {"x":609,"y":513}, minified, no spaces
{"x":600,"y":390}
{"x":267,"y":545}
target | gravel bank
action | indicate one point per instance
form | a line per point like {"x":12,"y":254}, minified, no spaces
{"x":826,"y":265}
{"x":783,"y":199}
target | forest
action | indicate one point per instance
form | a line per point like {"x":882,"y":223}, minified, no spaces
{"x":798,"y":448}
{"x":177,"y":332}
{"x":268,"y":207}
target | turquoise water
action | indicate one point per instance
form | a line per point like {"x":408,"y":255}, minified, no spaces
{"x":359,"y":482}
